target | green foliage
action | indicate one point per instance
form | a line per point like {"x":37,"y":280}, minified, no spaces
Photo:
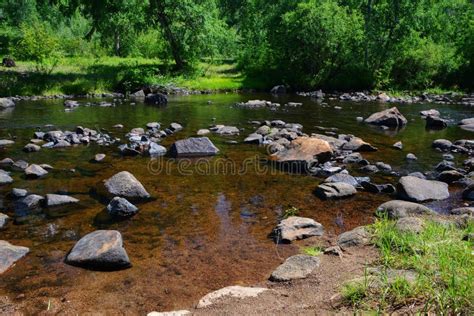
{"x":38,"y":43}
{"x":442,"y":260}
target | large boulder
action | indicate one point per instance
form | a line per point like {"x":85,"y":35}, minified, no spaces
{"x":467,"y":124}
{"x":435,"y":122}
{"x":295,"y":227}
{"x":230,"y":291}
{"x":53,"y":200}
{"x":124,"y":184}
{"x":295,"y":267}
{"x":120,"y":207}
{"x":156,"y":98}
{"x":9,"y":254}
{"x":193,"y":147}
{"x":335,"y":190}
{"x":102,"y":250}
{"x":419,"y":190}
{"x":359,"y":236}
{"x":390,"y":117}
{"x":301,"y":152}
{"x":6,"y":103}
{"x":399,"y":209}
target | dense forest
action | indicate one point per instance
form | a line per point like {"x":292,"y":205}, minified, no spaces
{"x":330,"y":44}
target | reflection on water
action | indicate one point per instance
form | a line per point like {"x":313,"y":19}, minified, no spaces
{"x":202,"y":231}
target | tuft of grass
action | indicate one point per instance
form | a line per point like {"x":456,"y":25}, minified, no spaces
{"x":292,"y":211}
{"x":312,"y":251}
{"x":443,"y":263}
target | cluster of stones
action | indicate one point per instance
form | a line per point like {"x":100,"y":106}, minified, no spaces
{"x":256,"y":104}
{"x":145,"y":141}
{"x":63,"y":139}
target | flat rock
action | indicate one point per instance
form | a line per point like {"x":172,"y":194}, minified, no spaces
{"x":9,"y":254}
{"x":419,"y":190}
{"x":230,"y":291}
{"x":203,"y":132}
{"x":101,"y":249}
{"x":390,"y":117}
{"x":124,"y":184}
{"x":295,"y":227}
{"x":194,"y":147}
{"x":35,"y":171}
{"x":227,"y":130}
{"x":59,"y":199}
{"x":431,"y":112}
{"x":19,"y":193}
{"x":410,"y":225}
{"x":359,"y":236}
{"x":399,"y":209}
{"x":335,"y":190}
{"x":295,"y":267}
{"x":6,"y":142}
{"x":120,"y":207}
{"x":344,"y":178}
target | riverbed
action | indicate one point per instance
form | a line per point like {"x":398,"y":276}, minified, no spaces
{"x":203,"y":230}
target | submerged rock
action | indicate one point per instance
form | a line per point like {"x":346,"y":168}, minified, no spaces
{"x":194,"y":147}
{"x":29,"y":148}
{"x":294,"y":227}
{"x":120,"y":207}
{"x":335,"y":190}
{"x":9,"y":254}
{"x":124,"y":184}
{"x":58,"y":199}
{"x":295,"y":267}
{"x":399,"y":209}
{"x":420,"y":190}
{"x":230,"y":291}
{"x":101,"y":249}
{"x":390,"y":117}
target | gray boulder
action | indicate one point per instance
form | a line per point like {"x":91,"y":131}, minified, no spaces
{"x":35,"y":171}
{"x":468,"y":193}
{"x":419,"y":190}
{"x":58,"y":199}
{"x":442,"y":144}
{"x":30,"y":148}
{"x":295,"y":227}
{"x":5,"y":178}
{"x":120,"y":207}
{"x":124,"y":184}
{"x":435,"y":122}
{"x":359,"y":236}
{"x":156,"y":150}
{"x":254,"y":139}
{"x":431,"y":112}
{"x":101,"y":249}
{"x":295,"y":267}
{"x":9,"y":254}
{"x":19,"y":193}
{"x":390,"y":117}
{"x":156,"y":99}
{"x":30,"y":202}
{"x":6,"y":103}
{"x":399,"y":209}
{"x":193,"y":147}
{"x":335,"y":190}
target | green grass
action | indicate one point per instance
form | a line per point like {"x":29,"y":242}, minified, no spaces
{"x":444,"y":264}
{"x":312,"y":251}
{"x":292,"y":211}
{"x":76,"y":75}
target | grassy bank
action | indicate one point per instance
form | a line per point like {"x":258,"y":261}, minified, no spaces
{"x":440,"y":265}
{"x":111,"y":74}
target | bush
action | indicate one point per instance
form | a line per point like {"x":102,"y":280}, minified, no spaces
{"x":39,"y":44}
